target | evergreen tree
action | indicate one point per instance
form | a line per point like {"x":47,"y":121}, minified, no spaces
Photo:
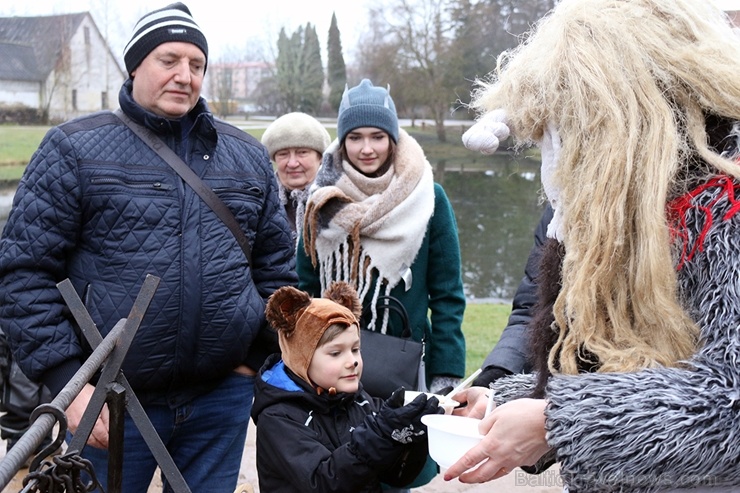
{"x":312,"y":73}
{"x":283,"y":67}
{"x":336,"y":71}
{"x":288,"y":67}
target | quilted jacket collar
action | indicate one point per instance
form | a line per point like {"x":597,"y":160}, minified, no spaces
{"x":200,"y":119}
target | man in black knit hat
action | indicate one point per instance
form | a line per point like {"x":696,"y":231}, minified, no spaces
{"x":98,"y":206}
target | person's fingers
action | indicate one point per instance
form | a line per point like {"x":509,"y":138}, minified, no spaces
{"x":488,"y":471}
{"x":470,"y":394}
{"x":478,"y":465}
{"x":461,"y":396}
{"x":102,"y":427}
{"x":472,"y":459}
{"x":486,"y":424}
{"x":475,"y":400}
{"x":484,"y":457}
{"x":104,"y":416}
{"x":77,"y":407}
{"x":75,"y":411}
{"x":99,"y":437}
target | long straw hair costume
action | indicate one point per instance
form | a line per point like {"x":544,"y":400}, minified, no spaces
{"x":629,"y":85}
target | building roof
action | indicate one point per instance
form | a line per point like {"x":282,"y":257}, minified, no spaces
{"x":18,"y":62}
{"x":31,"y":46}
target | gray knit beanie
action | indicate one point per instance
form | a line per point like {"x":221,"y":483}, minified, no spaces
{"x":295,"y":130}
{"x":171,"y":23}
{"x":367,"y":106}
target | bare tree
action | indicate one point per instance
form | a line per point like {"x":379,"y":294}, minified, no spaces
{"x":431,"y":51}
{"x":418,"y":35}
{"x":222,"y":89}
{"x":63,"y":76}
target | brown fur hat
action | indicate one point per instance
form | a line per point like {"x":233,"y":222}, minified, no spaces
{"x":301,"y":321}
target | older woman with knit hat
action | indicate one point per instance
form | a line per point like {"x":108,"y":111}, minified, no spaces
{"x":295,"y":143}
{"x":376,"y":219}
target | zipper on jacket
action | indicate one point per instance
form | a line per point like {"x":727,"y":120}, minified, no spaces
{"x":157,"y":185}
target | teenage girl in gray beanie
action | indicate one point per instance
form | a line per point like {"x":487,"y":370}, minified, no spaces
{"x":376,"y":219}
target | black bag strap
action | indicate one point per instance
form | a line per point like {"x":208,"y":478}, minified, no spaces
{"x":391,"y":303}
{"x":187,"y":174}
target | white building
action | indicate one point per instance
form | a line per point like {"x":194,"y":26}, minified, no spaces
{"x":59,"y":64}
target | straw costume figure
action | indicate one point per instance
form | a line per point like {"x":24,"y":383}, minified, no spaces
{"x":636,"y":340}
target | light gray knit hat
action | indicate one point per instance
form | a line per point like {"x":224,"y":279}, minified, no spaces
{"x":295,"y":130}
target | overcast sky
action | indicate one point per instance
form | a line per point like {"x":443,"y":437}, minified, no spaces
{"x":728,"y":4}
{"x":229,"y":25}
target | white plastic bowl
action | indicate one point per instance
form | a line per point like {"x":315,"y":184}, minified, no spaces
{"x":447,"y":404}
{"x":450,"y":437}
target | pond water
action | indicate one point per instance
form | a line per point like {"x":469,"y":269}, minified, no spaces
{"x":497,"y":208}
{"x":496,"y":205}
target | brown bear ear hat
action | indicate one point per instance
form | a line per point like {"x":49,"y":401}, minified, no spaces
{"x":301,"y":321}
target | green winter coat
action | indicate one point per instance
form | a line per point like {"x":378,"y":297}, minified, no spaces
{"x":436,"y":301}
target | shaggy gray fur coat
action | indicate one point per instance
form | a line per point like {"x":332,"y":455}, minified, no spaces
{"x":667,"y":428}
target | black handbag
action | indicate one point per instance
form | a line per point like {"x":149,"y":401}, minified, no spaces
{"x":390,"y":362}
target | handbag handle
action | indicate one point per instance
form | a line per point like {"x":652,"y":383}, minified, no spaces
{"x":396,"y":307}
{"x":186,"y":173}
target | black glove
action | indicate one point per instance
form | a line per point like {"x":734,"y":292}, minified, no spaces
{"x":403,"y":423}
{"x":396,"y":399}
{"x":489,"y":375}
{"x":380,"y":438}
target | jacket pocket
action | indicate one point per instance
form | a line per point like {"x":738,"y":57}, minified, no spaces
{"x":101,"y":183}
{"x":246,"y":203}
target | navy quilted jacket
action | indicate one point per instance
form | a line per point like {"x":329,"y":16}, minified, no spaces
{"x":97,"y":206}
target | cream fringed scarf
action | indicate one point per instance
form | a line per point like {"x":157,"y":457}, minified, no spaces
{"x":295,"y":199}
{"x":357,"y":225}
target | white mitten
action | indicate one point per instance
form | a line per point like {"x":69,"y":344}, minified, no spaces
{"x":550,"y":150}
{"x":485,"y":135}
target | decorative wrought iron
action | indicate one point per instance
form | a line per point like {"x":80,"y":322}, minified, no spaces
{"x":64,"y":474}
{"x":70,"y":473}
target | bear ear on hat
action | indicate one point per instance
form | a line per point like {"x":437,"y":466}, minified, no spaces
{"x":284,"y":307}
{"x":342,"y":293}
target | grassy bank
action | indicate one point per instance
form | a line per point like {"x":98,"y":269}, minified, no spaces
{"x":18,"y":143}
{"x":482,"y":326}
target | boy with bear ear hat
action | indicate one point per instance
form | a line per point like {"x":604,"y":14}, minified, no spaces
{"x":317,"y":429}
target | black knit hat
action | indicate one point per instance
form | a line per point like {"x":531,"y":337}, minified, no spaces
{"x":171,"y":23}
